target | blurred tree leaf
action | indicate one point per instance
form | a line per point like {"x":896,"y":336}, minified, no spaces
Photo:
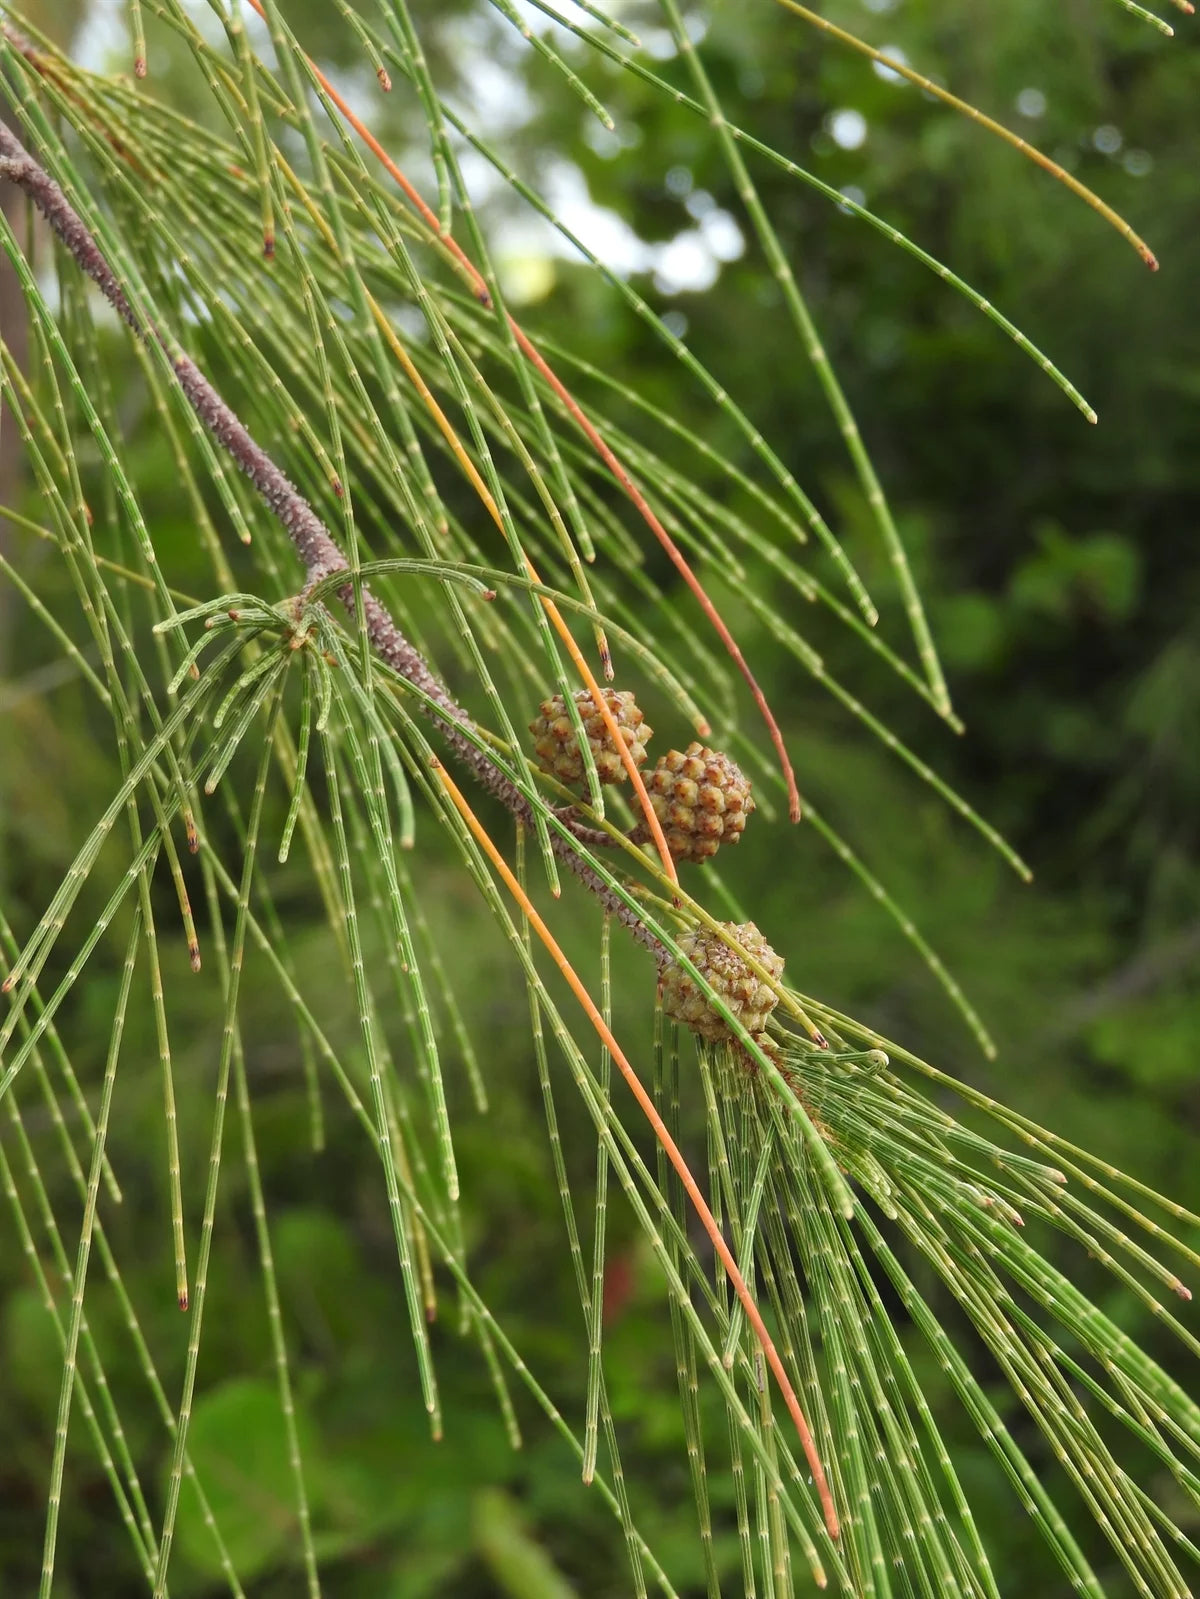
{"x":521,"y":1567}
{"x":239,"y":1447}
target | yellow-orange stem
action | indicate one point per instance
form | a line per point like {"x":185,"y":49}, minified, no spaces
{"x":902,"y":70}
{"x":670,"y":1148}
{"x":466,"y":267}
{"x":446,"y":428}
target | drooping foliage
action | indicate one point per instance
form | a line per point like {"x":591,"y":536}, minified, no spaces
{"x":400,"y":521}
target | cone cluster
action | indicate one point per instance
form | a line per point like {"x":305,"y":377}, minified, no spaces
{"x":556,"y":742}
{"x":700,"y":797}
{"x":741,"y":988}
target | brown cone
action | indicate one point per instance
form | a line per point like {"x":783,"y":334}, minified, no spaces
{"x":702,"y":800}
{"x":738,"y":984}
{"x":556,"y":743}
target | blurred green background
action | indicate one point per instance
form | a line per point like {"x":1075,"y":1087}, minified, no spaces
{"x":1059,"y":564}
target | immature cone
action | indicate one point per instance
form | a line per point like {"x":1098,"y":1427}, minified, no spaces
{"x":556,"y":743}
{"x":702,"y":799}
{"x":738,"y":984}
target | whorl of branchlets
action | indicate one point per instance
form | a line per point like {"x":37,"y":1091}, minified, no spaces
{"x":556,"y":742}
{"x":745,"y":993}
{"x":702,"y":800}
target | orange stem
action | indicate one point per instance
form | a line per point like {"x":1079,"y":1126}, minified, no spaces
{"x":669,"y":1145}
{"x":446,"y":428}
{"x":612,"y":728}
{"x":678,"y":559}
{"x":480,"y":289}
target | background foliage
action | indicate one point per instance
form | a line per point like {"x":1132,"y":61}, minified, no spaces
{"x":1059,"y":564}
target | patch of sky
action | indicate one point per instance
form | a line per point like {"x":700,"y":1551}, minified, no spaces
{"x":885,"y":72}
{"x":847,"y":128}
{"x":103,"y":38}
{"x":548,"y":23}
{"x":498,"y":101}
{"x":852,"y":193}
{"x":607,"y":143}
{"x":688,"y":263}
{"x":658,"y":43}
{"x":1031,"y":103}
{"x":500,"y":105}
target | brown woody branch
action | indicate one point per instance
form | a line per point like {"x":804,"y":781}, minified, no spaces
{"x":310,"y":538}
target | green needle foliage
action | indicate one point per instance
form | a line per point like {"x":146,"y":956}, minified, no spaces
{"x":410,"y":519}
